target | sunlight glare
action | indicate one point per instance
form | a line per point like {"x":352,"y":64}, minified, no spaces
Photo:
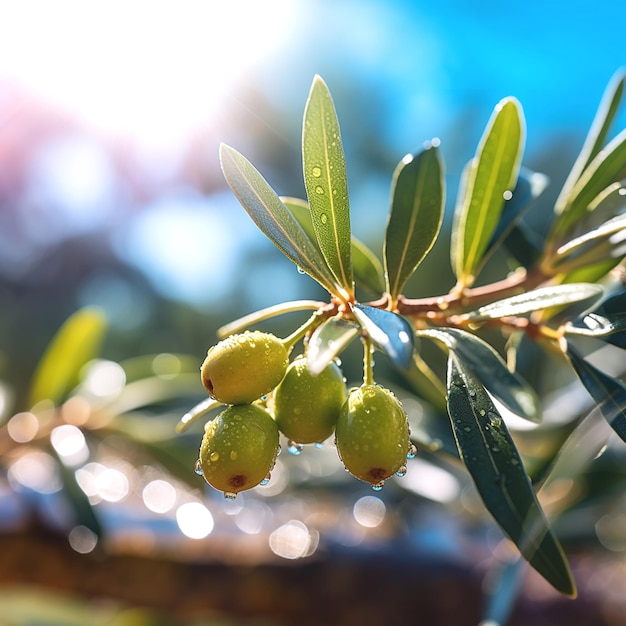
{"x":149,"y":69}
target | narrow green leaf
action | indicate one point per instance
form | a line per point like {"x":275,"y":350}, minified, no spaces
{"x":389,"y":331}
{"x":417,"y":200}
{"x":487,"y":365}
{"x":606,"y":168}
{"x":537,"y":300}
{"x":496,"y":467}
{"x":596,"y":138}
{"x":273,"y":218}
{"x":327,"y":341}
{"x":609,"y":393}
{"x":326,"y":183}
{"x":77,"y":342}
{"x":491,"y":177}
{"x":196,"y":412}
{"x":594,"y":325}
{"x":246,"y":321}
{"x":368,"y":270}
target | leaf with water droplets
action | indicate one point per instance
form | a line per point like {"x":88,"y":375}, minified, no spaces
{"x":273,"y":218}
{"x":389,"y":331}
{"x":327,"y":341}
{"x":489,"y":178}
{"x":326,"y":183}
{"x":487,"y":365}
{"x":490,"y":455}
{"x":608,"y":392}
{"x":417,"y":200}
{"x":368,"y":270}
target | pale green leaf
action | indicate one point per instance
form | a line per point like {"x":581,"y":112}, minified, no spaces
{"x":417,"y":200}
{"x":273,"y":218}
{"x":327,"y":183}
{"x":327,"y":341}
{"x":491,"y":176}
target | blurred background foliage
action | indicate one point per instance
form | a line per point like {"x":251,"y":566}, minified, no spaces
{"x":112,"y":203}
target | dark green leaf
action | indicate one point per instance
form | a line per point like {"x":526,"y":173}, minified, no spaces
{"x":389,"y":331}
{"x":327,"y":183}
{"x":273,"y":218}
{"x":368,"y":270}
{"x":487,"y":365}
{"x":537,"y":300}
{"x":596,"y":137}
{"x":492,"y":173}
{"x":609,"y":393}
{"x":328,"y":340}
{"x":77,"y":342}
{"x":530,"y":185}
{"x":494,"y":463}
{"x":417,"y":200}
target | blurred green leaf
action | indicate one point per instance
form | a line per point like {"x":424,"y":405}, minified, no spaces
{"x":326,"y":183}
{"x":609,"y":393}
{"x":494,"y":463}
{"x":607,"y":167}
{"x":273,"y":218}
{"x":491,"y":174}
{"x":537,"y":300}
{"x":389,"y":331}
{"x":196,"y":412}
{"x":594,"y":325}
{"x":77,"y":342}
{"x":328,"y":340}
{"x":417,"y":200}
{"x":368,"y":270}
{"x":596,"y":138}
{"x":487,"y":365}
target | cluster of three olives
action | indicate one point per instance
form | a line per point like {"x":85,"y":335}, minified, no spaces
{"x":240,"y":445}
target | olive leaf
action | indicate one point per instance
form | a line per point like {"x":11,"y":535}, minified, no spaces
{"x":489,"y":178}
{"x":417,"y":201}
{"x":195,"y":413}
{"x":595,"y":140}
{"x":487,"y":365}
{"x":326,"y":183}
{"x":273,"y":218}
{"x":368,"y":270}
{"x":609,"y":393}
{"x":537,"y":300}
{"x":77,"y":342}
{"x":496,"y":467}
{"x":328,"y":340}
{"x":389,"y":331}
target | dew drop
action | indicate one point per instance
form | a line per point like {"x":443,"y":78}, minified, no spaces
{"x":317,"y":172}
{"x":294,"y":448}
{"x":297,"y":410}
{"x":319,"y":190}
{"x":467,"y":429}
{"x":324,"y":218}
{"x":279,"y":450}
{"x":401,"y":472}
{"x":483,"y":412}
{"x":266,"y":480}
{"x":301,"y":271}
{"x":507,"y":195}
{"x":198,"y":468}
{"x":215,"y":456}
{"x":378,"y":486}
{"x":319,"y":445}
{"x":233,"y":455}
{"x":229,"y":495}
{"x":412,"y":453}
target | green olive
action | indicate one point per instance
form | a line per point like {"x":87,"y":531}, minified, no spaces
{"x":307,"y":407}
{"x":372,"y":434}
{"x":238,"y":449}
{"x":242,"y":368}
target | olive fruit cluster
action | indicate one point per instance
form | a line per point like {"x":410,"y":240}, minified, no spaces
{"x":266,"y":395}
